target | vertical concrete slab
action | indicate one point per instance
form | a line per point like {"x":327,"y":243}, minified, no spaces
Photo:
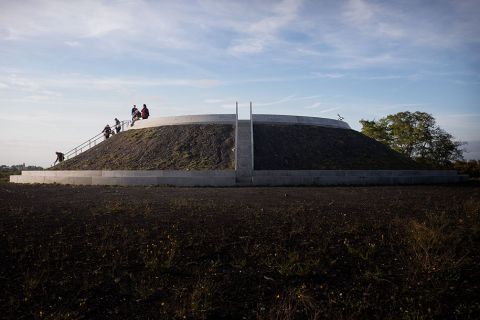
{"x":244,"y":157}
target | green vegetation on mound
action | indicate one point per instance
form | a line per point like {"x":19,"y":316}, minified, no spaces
{"x":301,"y":147}
{"x":180,"y":147}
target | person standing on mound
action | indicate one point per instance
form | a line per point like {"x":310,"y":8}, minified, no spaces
{"x":117,"y":125}
{"x":145,"y":112}
{"x":106,"y":131}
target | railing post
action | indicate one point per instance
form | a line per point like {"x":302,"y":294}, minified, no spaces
{"x":92,"y":142}
{"x":251,"y":134}
{"x":236,"y":136}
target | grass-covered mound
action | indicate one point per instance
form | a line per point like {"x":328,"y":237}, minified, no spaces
{"x":180,"y":147}
{"x":302,"y":147}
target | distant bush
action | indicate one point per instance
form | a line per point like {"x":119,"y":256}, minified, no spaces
{"x":7,"y":171}
{"x":471,"y":167}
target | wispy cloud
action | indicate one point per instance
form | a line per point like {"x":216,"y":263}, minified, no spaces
{"x":72,"y":43}
{"x":359,"y":11}
{"x":462,"y":125}
{"x":199,"y":56}
{"x":322,"y":107}
{"x":313,"y":106}
{"x":48,"y":85}
{"x":328,"y":75}
{"x":264,"y":32}
{"x":216,"y":100}
{"x":270,"y":103}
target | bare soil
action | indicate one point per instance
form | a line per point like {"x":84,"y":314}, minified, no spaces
{"x":93,"y":252}
{"x":301,"y":147}
{"x":182,"y":147}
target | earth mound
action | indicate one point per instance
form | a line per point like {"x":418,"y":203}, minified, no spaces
{"x":303,"y":147}
{"x":211,"y":147}
{"x":179,"y":147}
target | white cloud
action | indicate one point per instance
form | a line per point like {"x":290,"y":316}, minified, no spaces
{"x":248,"y":46}
{"x":328,"y":110}
{"x":433,"y":26}
{"x":313,"y":106}
{"x":262,"y":33}
{"x":103,"y":54}
{"x":464,"y":126}
{"x":309,"y":52}
{"x":325,"y":109}
{"x":89,"y":18}
{"x":48,"y":85}
{"x":219,"y":100}
{"x":328,"y":75}
{"x":359,"y":11}
{"x":270,"y":103}
{"x":349,"y":34}
{"x":72,"y":43}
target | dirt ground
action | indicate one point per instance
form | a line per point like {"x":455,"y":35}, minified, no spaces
{"x":93,"y":252}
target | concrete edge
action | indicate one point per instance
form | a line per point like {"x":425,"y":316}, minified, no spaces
{"x":183,"y":120}
{"x":231,"y":118}
{"x":301,"y":120}
{"x":227,"y":178}
{"x":130,"y":173}
{"x":352,"y":173}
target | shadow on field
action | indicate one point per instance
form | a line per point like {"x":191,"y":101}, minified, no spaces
{"x":240,"y":253}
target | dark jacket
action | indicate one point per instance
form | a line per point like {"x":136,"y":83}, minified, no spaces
{"x":145,"y":113}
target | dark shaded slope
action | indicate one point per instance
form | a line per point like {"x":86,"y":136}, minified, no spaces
{"x":301,"y":147}
{"x":181,"y":147}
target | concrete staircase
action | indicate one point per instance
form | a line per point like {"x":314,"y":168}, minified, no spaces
{"x":244,"y":152}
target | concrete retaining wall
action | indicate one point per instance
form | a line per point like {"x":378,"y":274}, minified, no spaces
{"x":354,"y":177}
{"x":312,"y":121}
{"x":190,"y":119}
{"x":230,"y":119}
{"x":226,"y":178}
{"x":214,"y":178}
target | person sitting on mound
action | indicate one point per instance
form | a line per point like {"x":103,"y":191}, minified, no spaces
{"x":134,"y":111}
{"x":145,"y":112}
{"x":136,"y":115}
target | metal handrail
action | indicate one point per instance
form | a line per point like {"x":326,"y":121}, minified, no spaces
{"x":236,"y":136}
{"x":93,"y":141}
{"x":251,"y":137}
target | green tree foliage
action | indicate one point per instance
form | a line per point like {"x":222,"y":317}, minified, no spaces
{"x":416,"y":135}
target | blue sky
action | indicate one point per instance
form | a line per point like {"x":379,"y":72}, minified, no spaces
{"x":69,"y":67}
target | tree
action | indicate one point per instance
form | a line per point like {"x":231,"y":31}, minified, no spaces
{"x":415,"y":135}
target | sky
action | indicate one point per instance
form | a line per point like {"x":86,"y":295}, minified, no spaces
{"x":67,"y":68}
